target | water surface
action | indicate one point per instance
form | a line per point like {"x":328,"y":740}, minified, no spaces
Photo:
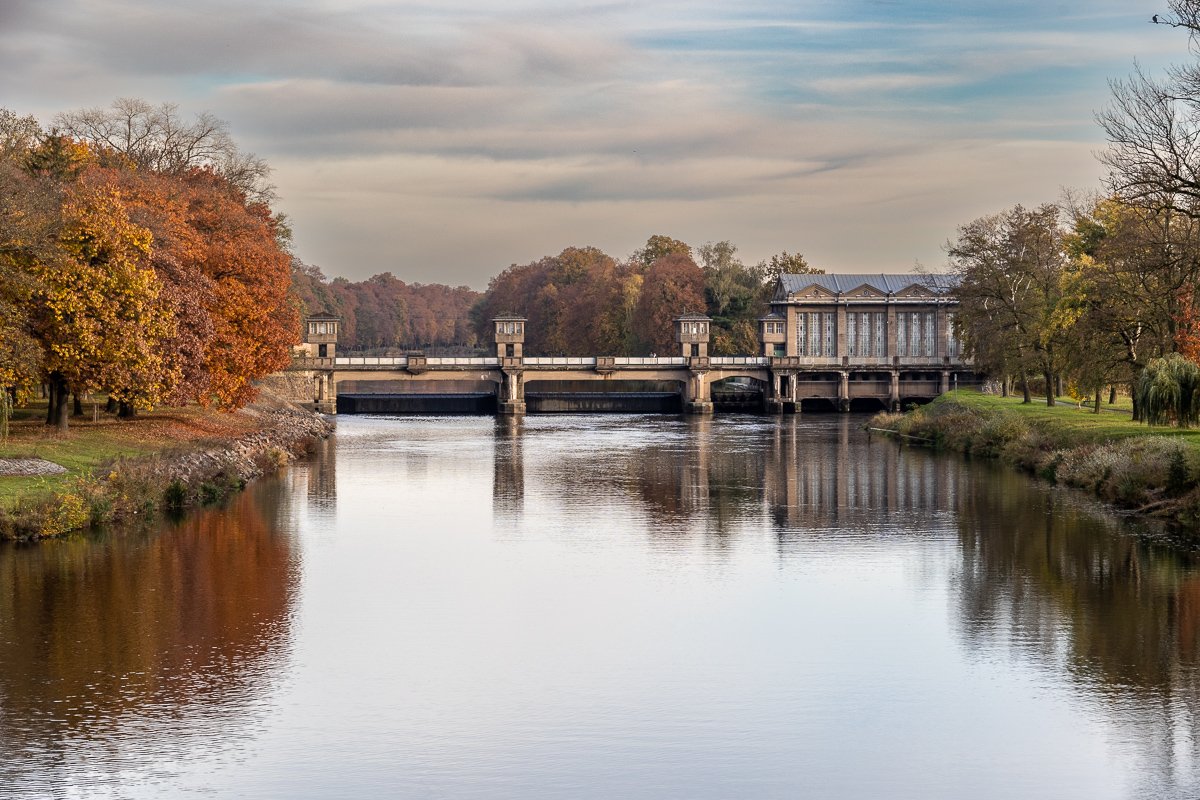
{"x":601,"y":607}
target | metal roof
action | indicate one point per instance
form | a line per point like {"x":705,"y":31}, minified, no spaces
{"x":888,"y":284}
{"x":323,"y":316}
{"x":695,"y":317}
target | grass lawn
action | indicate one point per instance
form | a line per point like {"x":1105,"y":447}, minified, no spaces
{"x":1074,"y":423}
{"x":89,"y":444}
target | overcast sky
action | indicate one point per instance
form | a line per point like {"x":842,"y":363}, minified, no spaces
{"x":445,"y":140}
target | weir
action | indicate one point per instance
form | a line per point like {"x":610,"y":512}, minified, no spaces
{"x":828,"y":343}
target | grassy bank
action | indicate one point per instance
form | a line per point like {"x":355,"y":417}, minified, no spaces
{"x":1151,"y":470}
{"x":168,"y":459}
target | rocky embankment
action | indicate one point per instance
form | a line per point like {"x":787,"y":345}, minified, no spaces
{"x":189,"y":474}
{"x":288,"y":434}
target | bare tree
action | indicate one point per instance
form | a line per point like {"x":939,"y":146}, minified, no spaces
{"x":1153,"y":127}
{"x":158,"y":138}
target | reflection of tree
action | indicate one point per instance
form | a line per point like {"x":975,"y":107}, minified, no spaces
{"x":320,"y":469}
{"x":508,"y":470}
{"x":163,"y":633}
{"x":1069,"y":588}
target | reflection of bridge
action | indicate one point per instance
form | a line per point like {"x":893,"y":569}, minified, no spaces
{"x":830,"y":341}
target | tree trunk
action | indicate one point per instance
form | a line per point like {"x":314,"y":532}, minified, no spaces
{"x":1004,"y":387}
{"x":1112,"y":394}
{"x":1137,"y":407}
{"x":1096,"y":410}
{"x":111,"y":406}
{"x":1049,"y":388}
{"x":50,"y":402}
{"x":1027,"y":398}
{"x":59,"y":405}
{"x":78,"y":405}
{"x":58,"y":408}
{"x":126,"y":411}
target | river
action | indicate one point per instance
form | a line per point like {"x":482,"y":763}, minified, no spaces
{"x":608,"y":607}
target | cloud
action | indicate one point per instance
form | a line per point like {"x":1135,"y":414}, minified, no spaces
{"x":452,"y":138}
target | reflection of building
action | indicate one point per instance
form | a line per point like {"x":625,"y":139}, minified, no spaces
{"x":321,"y":472}
{"x":508,"y":469}
{"x":824,"y":480}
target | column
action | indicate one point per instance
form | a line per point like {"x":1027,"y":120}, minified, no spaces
{"x":891,"y":330}
{"x":840,"y":340}
{"x":894,"y":400}
{"x":844,"y":392}
{"x":945,"y":381}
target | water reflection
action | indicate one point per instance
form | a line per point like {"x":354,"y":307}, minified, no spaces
{"x":609,"y":606}
{"x":108,"y":643}
{"x":1072,"y":590}
{"x":508,"y":474}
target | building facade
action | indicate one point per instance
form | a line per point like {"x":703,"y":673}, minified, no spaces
{"x":863,"y":320}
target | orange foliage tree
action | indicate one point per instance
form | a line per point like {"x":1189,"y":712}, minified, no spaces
{"x":674,"y":285}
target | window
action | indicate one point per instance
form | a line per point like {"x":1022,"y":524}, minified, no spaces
{"x":865,"y":333}
{"x":952,"y":348}
{"x":915,"y":334}
{"x":816,"y":333}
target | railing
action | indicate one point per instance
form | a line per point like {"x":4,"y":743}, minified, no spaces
{"x":739,"y":361}
{"x":434,"y":361}
{"x":650,"y":361}
{"x":776,"y":362}
{"x":559,"y":361}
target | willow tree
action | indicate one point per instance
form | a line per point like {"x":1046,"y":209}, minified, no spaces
{"x":1168,"y":391}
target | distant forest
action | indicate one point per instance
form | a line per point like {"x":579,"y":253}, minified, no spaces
{"x":579,"y":302}
{"x":384,"y":312}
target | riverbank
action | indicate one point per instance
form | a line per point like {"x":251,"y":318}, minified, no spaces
{"x":107,"y":469}
{"x":1149,"y":470}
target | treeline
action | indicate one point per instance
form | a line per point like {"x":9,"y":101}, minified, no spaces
{"x":585,"y":302}
{"x":1102,"y":291}
{"x":139,"y":257}
{"x":384,"y":312}
{"x":1080,"y":298}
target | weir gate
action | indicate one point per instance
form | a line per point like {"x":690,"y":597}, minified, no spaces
{"x":789,"y":376}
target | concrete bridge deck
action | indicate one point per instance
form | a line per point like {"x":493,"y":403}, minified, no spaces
{"x":785,"y":382}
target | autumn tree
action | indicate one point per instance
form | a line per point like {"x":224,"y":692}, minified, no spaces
{"x":1010,"y":268}
{"x":1139,"y":266}
{"x":674,"y":285}
{"x":248,"y":301}
{"x":99,"y":317}
{"x":656,"y":247}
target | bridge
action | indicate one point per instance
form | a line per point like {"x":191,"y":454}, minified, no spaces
{"x":898,"y":351}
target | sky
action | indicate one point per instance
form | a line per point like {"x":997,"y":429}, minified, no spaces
{"x":445,"y":140}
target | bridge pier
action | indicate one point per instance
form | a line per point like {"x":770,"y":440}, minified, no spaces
{"x":699,"y":396}
{"x":512,"y":393}
{"x":894,"y":396}
{"x":325,"y":393}
{"x":843,"y":401}
{"x":792,"y":404}
{"x":774,"y":397}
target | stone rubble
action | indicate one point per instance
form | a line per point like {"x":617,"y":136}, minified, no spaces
{"x":29,"y":467}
